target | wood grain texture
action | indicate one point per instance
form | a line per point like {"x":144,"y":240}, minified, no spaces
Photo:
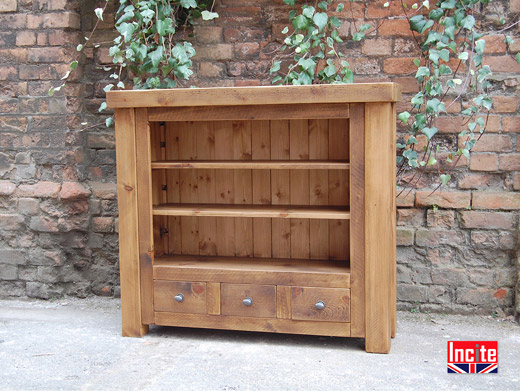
{"x":379,"y":244}
{"x":253,"y":165}
{"x":278,"y":211}
{"x":194,"y":293}
{"x":270,"y":325}
{"x":299,"y":272}
{"x":144,"y":207}
{"x":249,"y":112}
{"x":213,"y":298}
{"x":283,"y":302}
{"x":132,"y":324}
{"x":319,"y":188}
{"x":357,"y":222}
{"x":173,"y":193}
{"x":261,"y":150}
{"x":280,"y":189}
{"x":337,"y":304}
{"x":393,"y":266}
{"x":263,"y":300}
{"x":240,"y":96}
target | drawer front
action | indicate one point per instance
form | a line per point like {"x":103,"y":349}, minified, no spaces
{"x":323,"y":304}
{"x":179,"y":296}
{"x":260,"y":300}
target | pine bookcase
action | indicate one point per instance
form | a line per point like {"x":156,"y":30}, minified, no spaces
{"x":259,"y":208}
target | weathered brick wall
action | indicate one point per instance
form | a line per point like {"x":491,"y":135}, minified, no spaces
{"x":457,"y":249}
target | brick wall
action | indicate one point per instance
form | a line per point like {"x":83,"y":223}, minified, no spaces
{"x":457,"y":248}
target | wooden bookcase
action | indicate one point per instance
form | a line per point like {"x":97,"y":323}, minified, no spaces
{"x":259,"y":208}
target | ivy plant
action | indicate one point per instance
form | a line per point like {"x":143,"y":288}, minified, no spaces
{"x":148,"y":45}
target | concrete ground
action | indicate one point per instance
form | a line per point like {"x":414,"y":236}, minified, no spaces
{"x":76,"y":345}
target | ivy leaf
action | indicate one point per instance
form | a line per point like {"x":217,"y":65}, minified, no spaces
{"x":436,"y":14}
{"x":156,"y":56}
{"x":429,"y":132}
{"x":340,"y":7}
{"x":126,"y":30}
{"x":449,"y":4}
{"x":517,"y":57}
{"x":480,"y":45}
{"x":463,"y":56}
{"x":308,"y":11}
{"x":188,"y":4}
{"x":300,"y":22}
{"x":290,"y":2}
{"x":404,"y":116}
{"x":358,"y":36}
{"x":108,"y":87}
{"x":102,"y":107}
{"x":307,"y":64}
{"x":320,"y":19}
{"x":109,"y":122}
{"x":79,"y":48}
{"x":420,"y":24}
{"x":121,"y":85}
{"x":422,"y":72}
{"x":206,"y":15}
{"x":99,"y":13}
{"x":73,"y":65}
{"x":285,"y":30}
{"x":445,"y":178}
{"x":275,"y":68}
{"x":468,"y":22}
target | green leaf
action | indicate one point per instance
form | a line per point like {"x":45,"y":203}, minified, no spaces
{"x":358,"y":36}
{"x":445,"y":178}
{"x":463,"y":56}
{"x":365,"y":27}
{"x":121,"y":85}
{"x":449,"y":4}
{"x":517,"y":58}
{"x":156,"y":56}
{"x":404,"y":116}
{"x":429,"y":132}
{"x":480,"y":45}
{"x":276,"y":79}
{"x":109,"y":122}
{"x":422,"y":72}
{"x":275,"y":68}
{"x":432,"y":161}
{"x":420,"y":24}
{"x":417,"y":62}
{"x":340,"y":7}
{"x":206,"y":15}
{"x":290,"y":2}
{"x":99,"y":13}
{"x":468,"y":22}
{"x":285,"y":30}
{"x":436,"y":14}
{"x":509,"y":40}
{"x":308,"y":11}
{"x":320,"y":19}
{"x":307,"y":64}
{"x":102,"y":107}
{"x":188,"y":4}
{"x":51,"y":91}
{"x":300,"y":22}
{"x":73,"y":65}
{"x":126,"y":30}
{"x":108,"y":87}
{"x":400,"y":146}
{"x":79,"y":48}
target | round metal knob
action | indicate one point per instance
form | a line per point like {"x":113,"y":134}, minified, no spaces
{"x":248,"y":301}
{"x":179,"y":298}
{"x":320,"y":305}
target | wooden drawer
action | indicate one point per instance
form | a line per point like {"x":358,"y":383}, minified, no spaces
{"x":263,"y":300}
{"x":193,"y":300}
{"x":336,"y":301}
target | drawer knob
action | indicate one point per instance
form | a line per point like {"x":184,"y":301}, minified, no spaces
{"x":320,"y":305}
{"x":248,"y":301}
{"x":179,"y":298}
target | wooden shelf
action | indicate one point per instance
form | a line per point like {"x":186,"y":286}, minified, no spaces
{"x":273,"y":211}
{"x":298,"y":272}
{"x":254,"y":164}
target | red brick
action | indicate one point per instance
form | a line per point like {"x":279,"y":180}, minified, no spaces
{"x":487,"y":220}
{"x":404,"y":237}
{"x":376,"y":9}
{"x":516,"y":181}
{"x":11,"y":222}
{"x":502,"y":64}
{"x":509,"y":162}
{"x":443,"y":199}
{"x":47,"y":55}
{"x":399,"y":66}
{"x":41,"y":189}
{"x":43,"y":224}
{"x":247,"y":50}
{"x":18,"y":55}
{"x":405,"y":197}
{"x":494,"y":44}
{"x":377,"y":47}
{"x":394,"y":27}
{"x":210,"y":69}
{"x":105,"y":191}
{"x":73,"y":191}
{"x":25,"y":38}
{"x":13,"y":21}
{"x":490,"y":143}
{"x":208,"y":34}
{"x":501,"y":200}
{"x":8,"y":6}
{"x":7,"y":188}
{"x":479,"y":181}
{"x":366,"y":66}
{"x":103,"y":224}
{"x":215,"y":52}
{"x":8,"y":72}
{"x":427,"y":237}
{"x":511,"y":124}
{"x":440,"y":218}
{"x":408,"y":84}
{"x":514,"y":5}
{"x":483,"y":162}
{"x":41,"y":39}
{"x":410,"y":217}
{"x":505,"y":104}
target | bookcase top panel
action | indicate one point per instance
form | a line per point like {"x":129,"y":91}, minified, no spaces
{"x":264,"y":95}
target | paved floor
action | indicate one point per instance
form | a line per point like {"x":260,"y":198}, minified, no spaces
{"x":76,"y":345}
